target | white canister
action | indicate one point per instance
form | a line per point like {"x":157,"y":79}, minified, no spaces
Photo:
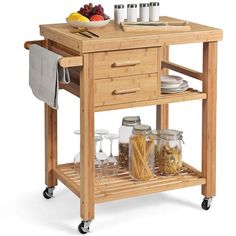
{"x":154,"y":11}
{"x":132,"y":12}
{"x":144,"y":12}
{"x":119,"y":13}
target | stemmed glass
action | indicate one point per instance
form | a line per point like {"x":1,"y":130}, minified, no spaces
{"x":77,"y":155}
{"x":98,"y":163}
{"x":101,"y":155}
{"x":111,"y":164}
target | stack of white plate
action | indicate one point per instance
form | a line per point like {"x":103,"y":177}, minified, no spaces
{"x":173,"y":84}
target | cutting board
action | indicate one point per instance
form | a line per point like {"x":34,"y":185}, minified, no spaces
{"x":156,"y":26}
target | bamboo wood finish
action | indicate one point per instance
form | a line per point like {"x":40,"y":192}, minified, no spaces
{"x":50,"y":145}
{"x":123,"y":186}
{"x":183,"y":70}
{"x":87,"y":138}
{"x":162,"y":111}
{"x":122,"y":63}
{"x":163,"y":100}
{"x":63,"y":62}
{"x":112,"y":37}
{"x":125,"y":89}
{"x":209,"y":118}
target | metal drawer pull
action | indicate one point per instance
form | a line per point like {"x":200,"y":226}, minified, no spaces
{"x":125,"y":63}
{"x":125,"y":91}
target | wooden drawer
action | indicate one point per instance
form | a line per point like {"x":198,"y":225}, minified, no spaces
{"x":125,"y":62}
{"x":126,"y":89}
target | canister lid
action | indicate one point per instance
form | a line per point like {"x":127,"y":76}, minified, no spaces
{"x":132,"y":6}
{"x":153,"y":4}
{"x":119,"y":6}
{"x":131,"y":120}
{"x":142,"y":129}
{"x":144,"y":4}
{"x":171,"y":134}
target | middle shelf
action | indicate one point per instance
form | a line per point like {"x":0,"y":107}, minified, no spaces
{"x":123,"y":186}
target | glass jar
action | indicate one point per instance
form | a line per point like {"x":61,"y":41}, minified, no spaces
{"x":132,"y":12}
{"x":170,"y":152}
{"x":125,"y":132}
{"x":141,"y":161}
{"x":144,"y":12}
{"x":156,"y":136}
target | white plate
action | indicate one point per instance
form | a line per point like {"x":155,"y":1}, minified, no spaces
{"x":171,"y":80}
{"x":90,"y":24}
{"x":182,"y":87}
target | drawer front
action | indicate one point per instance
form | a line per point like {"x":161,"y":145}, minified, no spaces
{"x":126,"y":89}
{"x":125,"y":62}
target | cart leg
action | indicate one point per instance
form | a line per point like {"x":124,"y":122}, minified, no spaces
{"x":87,"y":140}
{"x":162,"y":111}
{"x":209,"y":119}
{"x":50,"y":146}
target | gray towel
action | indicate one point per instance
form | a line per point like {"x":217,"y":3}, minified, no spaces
{"x":45,"y":74}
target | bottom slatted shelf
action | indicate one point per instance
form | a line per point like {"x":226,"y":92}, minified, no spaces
{"x":123,"y":186}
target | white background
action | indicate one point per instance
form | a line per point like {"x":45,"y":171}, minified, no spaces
{"x":23,"y":210}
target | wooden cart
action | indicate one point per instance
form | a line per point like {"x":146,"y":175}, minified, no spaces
{"x":122,"y":70}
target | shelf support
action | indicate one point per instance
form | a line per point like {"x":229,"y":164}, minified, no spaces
{"x":50,"y":146}
{"x":209,"y":118}
{"x":162,"y":111}
{"x":87,"y":169}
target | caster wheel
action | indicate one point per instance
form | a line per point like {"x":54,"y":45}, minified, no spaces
{"x":206,"y":203}
{"x":84,"y":227}
{"x":48,"y":192}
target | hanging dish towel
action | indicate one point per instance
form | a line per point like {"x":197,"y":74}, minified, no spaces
{"x":45,"y":74}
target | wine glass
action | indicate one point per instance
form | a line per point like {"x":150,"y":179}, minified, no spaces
{"x":77,"y":156}
{"x":111,"y":164}
{"x":97,"y":162}
{"x":101,"y":155}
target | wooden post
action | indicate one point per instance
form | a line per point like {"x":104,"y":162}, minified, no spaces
{"x":50,"y":145}
{"x":87,"y":139}
{"x":209,"y":118}
{"x":162,"y":111}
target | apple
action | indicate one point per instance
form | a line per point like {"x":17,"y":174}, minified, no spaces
{"x":96,"y":18}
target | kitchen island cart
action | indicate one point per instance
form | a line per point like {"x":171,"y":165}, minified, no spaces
{"x":120,"y":70}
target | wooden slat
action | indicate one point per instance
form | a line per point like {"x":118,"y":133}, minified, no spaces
{"x":164,"y":99}
{"x":87,"y":139}
{"x":209,"y":118}
{"x":182,"y":70}
{"x":123,"y":186}
{"x":66,"y":180}
{"x":146,"y":191}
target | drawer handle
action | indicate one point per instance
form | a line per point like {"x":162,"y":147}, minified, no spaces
{"x":125,"y":63}
{"x":125,"y":91}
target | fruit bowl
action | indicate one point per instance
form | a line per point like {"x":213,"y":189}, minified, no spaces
{"x":90,"y":24}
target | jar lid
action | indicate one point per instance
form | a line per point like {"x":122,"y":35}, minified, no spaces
{"x":153,"y":4}
{"x":144,"y":4}
{"x":156,"y":133}
{"x":132,"y":6}
{"x":142,"y":129}
{"x":131,"y":120}
{"x":119,"y":6}
{"x":171,"y":134}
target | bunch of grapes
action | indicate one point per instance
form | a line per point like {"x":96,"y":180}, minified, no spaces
{"x":89,"y":10}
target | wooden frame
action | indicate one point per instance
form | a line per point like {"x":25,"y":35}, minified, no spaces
{"x":82,"y":52}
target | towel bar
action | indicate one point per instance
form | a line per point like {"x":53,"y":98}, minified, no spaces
{"x":63,"y":62}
